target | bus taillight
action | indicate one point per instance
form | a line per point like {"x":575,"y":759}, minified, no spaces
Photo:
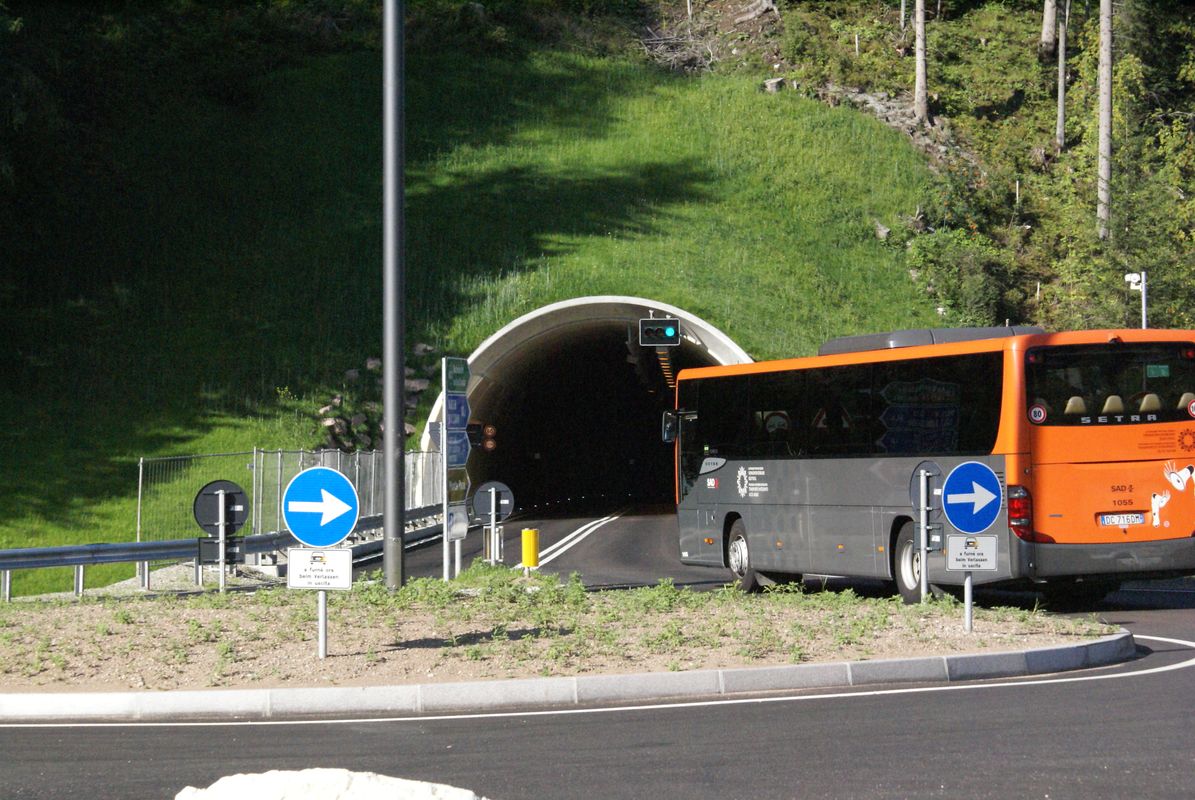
{"x":1020,"y":512}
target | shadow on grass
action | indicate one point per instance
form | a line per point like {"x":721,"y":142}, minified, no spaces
{"x":248,"y":259}
{"x":499,"y":222}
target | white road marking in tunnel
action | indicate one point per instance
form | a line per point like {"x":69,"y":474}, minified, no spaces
{"x":574,"y":538}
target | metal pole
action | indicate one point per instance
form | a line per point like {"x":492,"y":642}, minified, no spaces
{"x":967,"y":602}
{"x":1144,"y":323}
{"x":923,"y":476}
{"x":323,"y":623}
{"x":78,"y":580}
{"x":278,"y":496}
{"x":444,"y":457}
{"x":220,"y":525}
{"x":393,"y":290}
{"x":493,"y":525}
{"x":142,"y":567}
{"x":6,"y":585}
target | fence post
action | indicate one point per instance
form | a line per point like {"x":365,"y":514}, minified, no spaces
{"x":254,"y":508}
{"x":278,"y":506}
{"x":143,"y":566}
{"x":78,"y":580}
{"x":6,"y":585}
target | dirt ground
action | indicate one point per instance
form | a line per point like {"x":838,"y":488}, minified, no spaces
{"x":260,"y":635}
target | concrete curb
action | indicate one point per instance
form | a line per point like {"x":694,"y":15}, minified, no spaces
{"x":244,"y":704}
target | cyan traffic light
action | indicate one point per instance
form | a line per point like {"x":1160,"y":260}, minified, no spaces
{"x":659,"y":332}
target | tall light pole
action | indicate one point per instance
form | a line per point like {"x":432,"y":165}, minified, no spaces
{"x":393,"y":295}
{"x":1136,"y":282}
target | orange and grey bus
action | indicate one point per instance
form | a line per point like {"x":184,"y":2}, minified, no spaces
{"x":810,"y":465}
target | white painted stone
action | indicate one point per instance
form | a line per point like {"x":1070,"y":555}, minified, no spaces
{"x":326,"y":784}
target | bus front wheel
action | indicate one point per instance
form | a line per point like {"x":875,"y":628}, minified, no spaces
{"x":738,"y":558}
{"x":906,"y":565}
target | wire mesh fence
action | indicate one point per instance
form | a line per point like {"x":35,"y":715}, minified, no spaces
{"x":167,"y":486}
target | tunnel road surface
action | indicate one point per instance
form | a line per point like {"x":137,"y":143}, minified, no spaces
{"x":631,"y":545}
{"x":1118,"y":732}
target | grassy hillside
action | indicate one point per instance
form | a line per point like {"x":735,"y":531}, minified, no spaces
{"x":225,"y":266}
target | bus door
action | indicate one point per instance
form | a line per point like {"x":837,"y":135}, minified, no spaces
{"x":696,"y":497}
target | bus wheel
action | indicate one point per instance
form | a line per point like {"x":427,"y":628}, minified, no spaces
{"x":739,"y":558}
{"x":906,"y":565}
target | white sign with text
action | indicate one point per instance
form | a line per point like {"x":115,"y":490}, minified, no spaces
{"x":309,"y":568}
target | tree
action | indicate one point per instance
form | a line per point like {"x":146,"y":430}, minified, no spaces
{"x":1104,"y":168}
{"x":1049,"y":21}
{"x":1060,"y":122}
{"x":920,"y":109}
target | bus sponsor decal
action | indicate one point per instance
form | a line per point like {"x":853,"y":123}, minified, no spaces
{"x":1160,"y":440}
{"x":1186,"y":440}
{"x":1178,"y":479}
{"x":1037,"y":413}
{"x":751,"y":481}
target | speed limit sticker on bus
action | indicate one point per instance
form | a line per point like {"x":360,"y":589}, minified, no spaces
{"x":1037,"y":413}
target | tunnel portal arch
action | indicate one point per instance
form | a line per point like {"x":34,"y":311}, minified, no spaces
{"x":576,"y":401}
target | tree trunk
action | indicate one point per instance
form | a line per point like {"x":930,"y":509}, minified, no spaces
{"x":920,"y":109}
{"x":1104,"y":176}
{"x":902,"y":14}
{"x":1060,"y":123}
{"x":1049,"y":23}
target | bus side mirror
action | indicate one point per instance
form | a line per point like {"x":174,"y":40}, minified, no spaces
{"x":668,"y":427}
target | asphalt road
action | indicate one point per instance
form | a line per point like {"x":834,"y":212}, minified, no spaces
{"x":628,"y":546}
{"x":1119,"y":732}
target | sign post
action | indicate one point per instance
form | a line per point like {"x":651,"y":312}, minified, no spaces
{"x":454,"y":444}
{"x":211,"y":509}
{"x":971,"y":498}
{"x":968,"y":554}
{"x":320,"y":507}
{"x":496,"y":500}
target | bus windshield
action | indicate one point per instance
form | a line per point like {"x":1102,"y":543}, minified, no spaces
{"x":1110,"y":384}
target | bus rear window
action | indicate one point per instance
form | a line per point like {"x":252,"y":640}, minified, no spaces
{"x":1110,"y":384}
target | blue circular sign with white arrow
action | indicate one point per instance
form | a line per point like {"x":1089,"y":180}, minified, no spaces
{"x":971,"y":497}
{"x":320,"y":507}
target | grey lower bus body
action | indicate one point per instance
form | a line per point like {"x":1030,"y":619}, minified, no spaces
{"x":1138,"y":559}
{"x":831,"y":516}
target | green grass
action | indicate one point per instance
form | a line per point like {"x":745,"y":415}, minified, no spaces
{"x":246,"y":242}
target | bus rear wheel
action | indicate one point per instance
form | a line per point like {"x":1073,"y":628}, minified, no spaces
{"x":906,"y":565}
{"x":738,"y":558}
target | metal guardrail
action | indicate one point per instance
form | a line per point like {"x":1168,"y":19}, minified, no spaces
{"x":83,"y":555}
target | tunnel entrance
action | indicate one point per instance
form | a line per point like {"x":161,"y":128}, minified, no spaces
{"x":576,"y":401}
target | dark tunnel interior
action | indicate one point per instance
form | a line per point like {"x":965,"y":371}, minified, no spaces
{"x":578,"y":422}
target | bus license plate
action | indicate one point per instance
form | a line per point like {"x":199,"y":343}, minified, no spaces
{"x":1122,"y":520}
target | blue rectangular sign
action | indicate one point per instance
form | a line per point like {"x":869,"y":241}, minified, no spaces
{"x":456,"y":411}
{"x":457,"y":451}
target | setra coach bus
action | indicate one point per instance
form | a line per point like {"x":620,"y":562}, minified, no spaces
{"x":811,"y":465}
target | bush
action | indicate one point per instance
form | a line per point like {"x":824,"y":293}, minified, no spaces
{"x":965,"y":274}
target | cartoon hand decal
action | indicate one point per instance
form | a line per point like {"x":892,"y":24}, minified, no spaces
{"x":1156,"y":502}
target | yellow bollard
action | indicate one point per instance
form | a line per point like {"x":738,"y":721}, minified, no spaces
{"x":530,"y":549}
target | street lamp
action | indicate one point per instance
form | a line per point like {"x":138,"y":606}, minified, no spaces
{"x":1136,"y":282}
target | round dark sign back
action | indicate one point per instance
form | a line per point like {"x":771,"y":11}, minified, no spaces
{"x":504,"y":497}
{"x":207,"y":508}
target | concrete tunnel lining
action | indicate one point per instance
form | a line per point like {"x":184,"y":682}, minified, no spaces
{"x":531,"y":348}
